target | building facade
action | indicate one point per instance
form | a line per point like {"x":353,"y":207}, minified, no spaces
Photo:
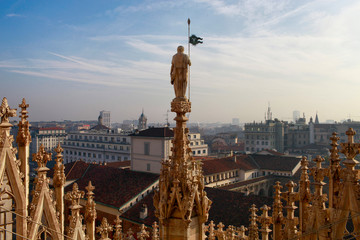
{"x":97,"y":146}
{"x":50,"y":137}
{"x":149,"y":147}
{"x":267,"y":135}
{"x":197,"y":145}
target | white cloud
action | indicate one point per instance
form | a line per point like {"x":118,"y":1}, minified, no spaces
{"x":11,"y":15}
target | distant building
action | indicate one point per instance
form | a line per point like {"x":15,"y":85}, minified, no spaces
{"x":236,"y":121}
{"x":153,"y":145}
{"x":99,"y":144}
{"x":267,"y":135}
{"x":142,"y":122}
{"x":296,"y":115}
{"x":149,"y":147}
{"x":197,"y":145}
{"x":105,"y":115}
{"x":50,"y":137}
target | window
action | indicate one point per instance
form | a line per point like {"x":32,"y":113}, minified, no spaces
{"x":124,"y":140}
{"x":99,"y":155}
{"x":146,"y":148}
{"x":204,"y":151}
{"x":194,"y":152}
{"x":89,"y":154}
{"x":107,"y":156}
{"x":148,"y":167}
{"x":199,"y":151}
{"x":113,"y":157}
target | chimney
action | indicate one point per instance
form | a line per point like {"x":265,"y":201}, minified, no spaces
{"x":143,"y":211}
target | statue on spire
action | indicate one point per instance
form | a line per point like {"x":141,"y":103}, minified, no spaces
{"x":179,"y":72}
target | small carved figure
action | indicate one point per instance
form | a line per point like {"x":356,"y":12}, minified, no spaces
{"x":179,"y":72}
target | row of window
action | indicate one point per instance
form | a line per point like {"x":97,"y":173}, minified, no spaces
{"x":95,"y":155}
{"x":102,"y":146}
{"x":98,"y":138}
{"x":258,"y":142}
{"x":221,"y":176}
{"x":199,"y":152}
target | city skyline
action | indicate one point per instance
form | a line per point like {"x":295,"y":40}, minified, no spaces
{"x":71,"y":60}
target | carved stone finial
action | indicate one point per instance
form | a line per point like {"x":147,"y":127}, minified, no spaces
{"x":6,"y":112}
{"x":118,"y":235}
{"x":90,"y":188}
{"x":90,"y":209}
{"x":74,"y":196}
{"x":59,"y":150}
{"x":143,"y":234}
{"x":42,"y":157}
{"x":155,"y":231}
{"x":59,"y":168}
{"x":334,"y":150}
{"x":253,"y":228}
{"x":350,"y":149}
{"x":104,"y":229}
{"x":265,"y":221}
{"x":23,"y":111}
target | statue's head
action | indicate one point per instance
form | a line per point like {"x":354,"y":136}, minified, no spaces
{"x":180,"y":49}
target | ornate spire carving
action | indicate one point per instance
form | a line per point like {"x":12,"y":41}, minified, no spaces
{"x":290,"y":228}
{"x":59,"y":168}
{"x":143,"y":234}
{"x":118,"y":235}
{"x":253,"y":228}
{"x":104,"y":229}
{"x":41,"y":158}
{"x":23,"y":137}
{"x":181,"y":185}
{"x":265,"y":221}
{"x":90,"y":212}
{"x":75,"y":217}
{"x":6,"y":111}
{"x":155,"y":232}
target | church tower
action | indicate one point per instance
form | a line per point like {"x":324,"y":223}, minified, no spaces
{"x":142,"y":121}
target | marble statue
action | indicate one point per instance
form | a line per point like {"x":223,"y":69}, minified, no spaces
{"x":179,"y":72}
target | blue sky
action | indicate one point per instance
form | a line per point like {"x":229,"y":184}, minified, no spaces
{"x":71,"y":59}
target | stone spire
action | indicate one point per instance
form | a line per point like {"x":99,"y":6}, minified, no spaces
{"x":59,"y":182}
{"x":181,"y":202}
{"x":90,"y":211}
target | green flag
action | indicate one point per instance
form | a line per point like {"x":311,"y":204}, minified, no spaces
{"x":193,"y":39}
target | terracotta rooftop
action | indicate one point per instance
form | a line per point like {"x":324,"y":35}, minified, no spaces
{"x":114,"y":186}
{"x":246,"y":182}
{"x":249,"y":162}
{"x":230,"y":208}
{"x":155,"y":132}
{"x":280,"y":163}
{"x":123,"y":164}
{"x":227,"y":164}
{"x":100,"y":127}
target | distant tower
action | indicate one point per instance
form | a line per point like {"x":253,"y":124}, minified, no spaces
{"x":268,"y":115}
{"x":142,"y":121}
{"x":105,"y":115}
{"x":296,"y":115}
{"x":317,"y":119}
{"x":236,"y":121}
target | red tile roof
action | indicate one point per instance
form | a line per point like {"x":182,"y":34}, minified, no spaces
{"x":114,"y":186}
{"x":155,"y":132}
{"x":123,"y":164}
{"x":227,"y":164}
{"x":246,"y":182}
{"x":230,"y":208}
{"x":249,"y":162}
{"x":280,"y":163}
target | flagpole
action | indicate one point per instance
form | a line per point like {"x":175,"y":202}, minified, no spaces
{"x":189,"y":53}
